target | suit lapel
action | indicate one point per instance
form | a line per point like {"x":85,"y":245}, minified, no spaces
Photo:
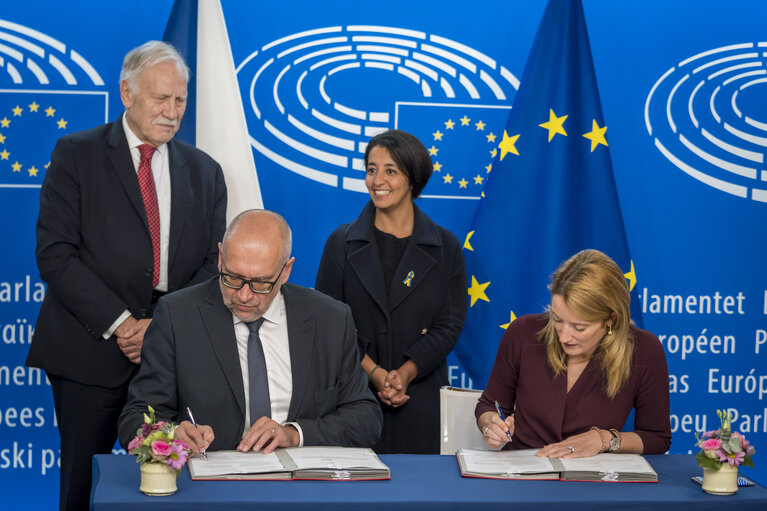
{"x":364,"y":259}
{"x":417,"y":258}
{"x":301,"y":341}
{"x":180,"y":198}
{"x":220,"y":327}
{"x":122,"y":164}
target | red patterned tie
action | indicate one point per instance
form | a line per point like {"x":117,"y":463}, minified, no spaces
{"x":146,"y":182}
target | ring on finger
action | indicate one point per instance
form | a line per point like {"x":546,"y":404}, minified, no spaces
{"x":274,"y":433}
{"x":571,"y":448}
{"x":484,"y":431}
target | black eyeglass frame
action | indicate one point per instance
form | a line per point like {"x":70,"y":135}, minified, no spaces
{"x":223,"y":276}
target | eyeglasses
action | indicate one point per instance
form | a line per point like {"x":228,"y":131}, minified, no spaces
{"x":258,"y":286}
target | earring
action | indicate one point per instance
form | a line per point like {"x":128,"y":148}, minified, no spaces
{"x":609,"y":330}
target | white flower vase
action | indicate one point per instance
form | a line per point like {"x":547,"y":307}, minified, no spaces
{"x":157,"y":479}
{"x":721,"y":482}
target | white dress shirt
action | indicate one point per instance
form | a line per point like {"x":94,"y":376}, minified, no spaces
{"x":274,"y":339}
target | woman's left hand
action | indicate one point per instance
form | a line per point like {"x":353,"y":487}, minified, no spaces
{"x":577,"y":446}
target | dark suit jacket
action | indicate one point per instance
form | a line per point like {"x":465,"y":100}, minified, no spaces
{"x":421,"y":322}
{"x":94,"y":249}
{"x":190,"y":358}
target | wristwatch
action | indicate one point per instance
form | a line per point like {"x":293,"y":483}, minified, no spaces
{"x":615,"y":441}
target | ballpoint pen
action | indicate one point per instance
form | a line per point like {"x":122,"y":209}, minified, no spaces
{"x":500,"y":413}
{"x":191,"y":419}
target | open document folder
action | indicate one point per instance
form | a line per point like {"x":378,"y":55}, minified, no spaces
{"x":326,"y":463}
{"x":524,"y":464}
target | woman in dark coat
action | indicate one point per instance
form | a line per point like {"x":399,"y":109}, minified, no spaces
{"x":405,"y":280}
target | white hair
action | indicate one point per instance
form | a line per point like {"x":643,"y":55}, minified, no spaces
{"x":147,"y":55}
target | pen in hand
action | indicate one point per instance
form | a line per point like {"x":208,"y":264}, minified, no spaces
{"x":191,"y":419}
{"x":503,"y":419}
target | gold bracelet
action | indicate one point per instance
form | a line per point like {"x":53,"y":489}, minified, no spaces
{"x":605,"y":445}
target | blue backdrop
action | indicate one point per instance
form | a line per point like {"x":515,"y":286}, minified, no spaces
{"x":683,"y":97}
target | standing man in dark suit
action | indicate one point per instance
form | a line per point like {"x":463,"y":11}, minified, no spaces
{"x":126,"y":215}
{"x":262,"y":363}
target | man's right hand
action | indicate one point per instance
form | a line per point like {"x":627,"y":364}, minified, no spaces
{"x":198,"y":439}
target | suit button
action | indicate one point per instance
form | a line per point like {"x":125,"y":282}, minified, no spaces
{"x":144,"y":312}
{"x":148,"y":272}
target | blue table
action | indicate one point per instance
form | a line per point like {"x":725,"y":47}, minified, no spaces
{"x":422,"y":483}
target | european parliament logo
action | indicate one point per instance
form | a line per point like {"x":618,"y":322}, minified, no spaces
{"x":707,"y":116}
{"x":313,"y":99}
{"x":42,"y":99}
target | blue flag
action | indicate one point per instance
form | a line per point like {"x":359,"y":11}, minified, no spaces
{"x":214,"y":119}
{"x":550,"y":193}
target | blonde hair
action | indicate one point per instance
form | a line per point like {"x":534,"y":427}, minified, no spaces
{"x":594,"y":288}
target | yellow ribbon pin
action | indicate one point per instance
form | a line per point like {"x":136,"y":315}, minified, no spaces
{"x":409,"y":279}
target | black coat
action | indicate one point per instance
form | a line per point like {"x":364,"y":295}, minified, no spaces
{"x":420,"y":322}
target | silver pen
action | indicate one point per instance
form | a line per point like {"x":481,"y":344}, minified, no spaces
{"x":191,"y":419}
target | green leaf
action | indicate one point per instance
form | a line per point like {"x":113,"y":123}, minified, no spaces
{"x":706,"y":462}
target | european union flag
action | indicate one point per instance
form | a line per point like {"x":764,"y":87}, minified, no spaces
{"x":550,"y":194}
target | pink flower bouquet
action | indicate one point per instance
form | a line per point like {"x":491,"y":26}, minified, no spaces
{"x":723,"y":446}
{"x":155,"y":443}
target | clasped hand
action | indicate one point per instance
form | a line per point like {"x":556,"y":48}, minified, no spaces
{"x":392,"y":385}
{"x":130,"y":337}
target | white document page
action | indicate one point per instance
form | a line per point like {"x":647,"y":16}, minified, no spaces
{"x":620,"y":463}
{"x":506,"y":462}
{"x":235,"y":462}
{"x":334,"y":458}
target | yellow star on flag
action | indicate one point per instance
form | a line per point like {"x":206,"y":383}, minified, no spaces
{"x":50,"y":111}
{"x":33,"y":107}
{"x":477,"y":291}
{"x":437,"y":167}
{"x":2,"y":138}
{"x":47,"y":165}
{"x":448,"y":178}
{"x":16,"y":167}
{"x":437,"y":135}
{"x":632,"y":277}
{"x":62,"y":123}
{"x":433,"y":151}
{"x":489,"y":167}
{"x":17,"y":111}
{"x":554,"y":124}
{"x":512,"y":317}
{"x":490,"y":137}
{"x":449,"y":124}
{"x":493,"y":152}
{"x":465,"y":121}
{"x":480,"y":126}
{"x":478,"y":179}
{"x":32,"y":171}
{"x":5,"y":122}
{"x":466,"y":243}
{"x":462,"y":183}
{"x":596,"y":135}
{"x":507,"y":145}
{"x":4,"y":155}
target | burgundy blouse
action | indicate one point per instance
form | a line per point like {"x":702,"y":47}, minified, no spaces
{"x":545,"y":413}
